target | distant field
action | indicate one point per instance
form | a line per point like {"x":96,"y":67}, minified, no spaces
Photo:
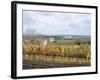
{"x":61,"y":52}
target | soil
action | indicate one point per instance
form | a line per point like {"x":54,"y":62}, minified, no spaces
{"x":27,"y":64}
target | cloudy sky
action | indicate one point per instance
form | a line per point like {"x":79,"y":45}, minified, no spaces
{"x":56,"y":23}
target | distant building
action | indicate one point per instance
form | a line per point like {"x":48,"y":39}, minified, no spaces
{"x":69,"y":36}
{"x":51,"y":39}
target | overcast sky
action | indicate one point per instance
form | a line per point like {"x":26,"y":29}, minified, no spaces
{"x":56,"y":23}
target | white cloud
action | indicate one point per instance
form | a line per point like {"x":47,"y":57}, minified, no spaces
{"x":57,"y":23}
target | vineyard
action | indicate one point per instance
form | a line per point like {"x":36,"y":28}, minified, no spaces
{"x":58,"y":53}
